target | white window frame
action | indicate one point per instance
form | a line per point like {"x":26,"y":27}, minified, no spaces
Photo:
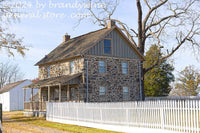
{"x":72,"y":69}
{"x":48,"y":71}
{"x":102,"y":91}
{"x":102,"y":67}
{"x":125,"y":93}
{"x":124,"y":68}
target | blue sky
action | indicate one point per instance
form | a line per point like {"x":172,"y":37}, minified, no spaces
{"x":44,"y":34}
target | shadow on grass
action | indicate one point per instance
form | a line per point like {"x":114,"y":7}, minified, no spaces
{"x":20,"y":118}
{"x":41,"y":121}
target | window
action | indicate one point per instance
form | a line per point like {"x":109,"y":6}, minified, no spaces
{"x":48,"y":71}
{"x":107,"y":46}
{"x":102,"y":66}
{"x":72,"y":94}
{"x":125,"y":93}
{"x":72,"y":66}
{"x":124,"y":67}
{"x":102,"y":91}
{"x":56,"y":94}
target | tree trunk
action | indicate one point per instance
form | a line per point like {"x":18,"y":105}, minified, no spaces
{"x":141,"y":44}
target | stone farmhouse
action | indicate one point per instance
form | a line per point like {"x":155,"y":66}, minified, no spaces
{"x":100,"y":66}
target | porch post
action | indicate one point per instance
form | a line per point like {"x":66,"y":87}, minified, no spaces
{"x":40,"y":100}
{"x":68,"y":94}
{"x":78,"y":94}
{"x":32,"y":99}
{"x":59,"y":93}
{"x":48,"y":93}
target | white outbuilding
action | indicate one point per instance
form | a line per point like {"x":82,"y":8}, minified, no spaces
{"x":12,"y":95}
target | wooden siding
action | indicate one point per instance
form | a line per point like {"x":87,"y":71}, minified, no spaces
{"x":120,"y":48}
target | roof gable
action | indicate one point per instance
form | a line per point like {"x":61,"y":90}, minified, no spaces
{"x":80,"y":45}
{"x":134,"y":48}
{"x":120,"y":44}
{"x":8,"y":87}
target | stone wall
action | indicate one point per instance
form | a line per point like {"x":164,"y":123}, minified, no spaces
{"x":60,"y":68}
{"x":113,"y":79}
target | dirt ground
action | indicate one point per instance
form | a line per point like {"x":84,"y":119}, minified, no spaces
{"x":11,"y":126}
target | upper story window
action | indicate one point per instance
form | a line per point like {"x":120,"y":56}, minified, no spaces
{"x":125,"y":93}
{"x":107,"y":46}
{"x":72,"y":66}
{"x":124,"y":67}
{"x":48,"y":71}
{"x":102,"y":91}
{"x":102,"y":67}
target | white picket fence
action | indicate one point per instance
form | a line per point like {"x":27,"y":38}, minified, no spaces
{"x":165,"y":115}
{"x":174,"y":98}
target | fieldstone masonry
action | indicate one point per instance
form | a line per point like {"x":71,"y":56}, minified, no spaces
{"x":60,"y":68}
{"x":112,"y":79}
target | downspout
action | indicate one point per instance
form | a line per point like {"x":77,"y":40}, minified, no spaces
{"x":86,"y":77}
{"x":140,"y":80}
{"x":87,"y":80}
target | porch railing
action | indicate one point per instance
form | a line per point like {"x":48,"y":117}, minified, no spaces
{"x":34,"y":106}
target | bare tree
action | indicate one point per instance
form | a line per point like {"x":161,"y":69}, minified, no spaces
{"x":9,"y":73}
{"x":169,"y":24}
{"x":9,"y":41}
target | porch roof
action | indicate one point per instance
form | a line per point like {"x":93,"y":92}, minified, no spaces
{"x":63,"y":80}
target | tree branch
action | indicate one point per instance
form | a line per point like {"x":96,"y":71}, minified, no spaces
{"x":145,"y":1}
{"x":150,"y":11}
{"x":125,"y":30}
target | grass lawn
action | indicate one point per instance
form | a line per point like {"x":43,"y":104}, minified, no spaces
{"x":41,"y":122}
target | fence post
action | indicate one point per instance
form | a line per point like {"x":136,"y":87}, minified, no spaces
{"x":127,"y":116}
{"x":101,"y":114}
{"x":77,"y":107}
{"x":1,"y":127}
{"x":162,"y":115}
{"x":197,"y":105}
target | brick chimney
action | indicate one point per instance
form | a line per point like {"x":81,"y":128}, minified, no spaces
{"x":66,"y":37}
{"x":110,"y":24}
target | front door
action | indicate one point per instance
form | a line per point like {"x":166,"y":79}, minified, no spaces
{"x":56,"y":94}
{"x":72,"y":93}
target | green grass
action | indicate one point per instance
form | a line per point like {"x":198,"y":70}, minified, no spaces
{"x":63,"y":127}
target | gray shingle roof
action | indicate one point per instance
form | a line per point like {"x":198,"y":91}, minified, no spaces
{"x":53,"y":81}
{"x":75,"y":46}
{"x":8,"y":87}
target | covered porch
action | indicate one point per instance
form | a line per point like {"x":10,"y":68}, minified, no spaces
{"x":56,"y":89}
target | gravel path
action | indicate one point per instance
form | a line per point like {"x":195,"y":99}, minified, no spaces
{"x":11,"y":126}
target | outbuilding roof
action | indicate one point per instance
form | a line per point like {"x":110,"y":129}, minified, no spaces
{"x":8,"y":87}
